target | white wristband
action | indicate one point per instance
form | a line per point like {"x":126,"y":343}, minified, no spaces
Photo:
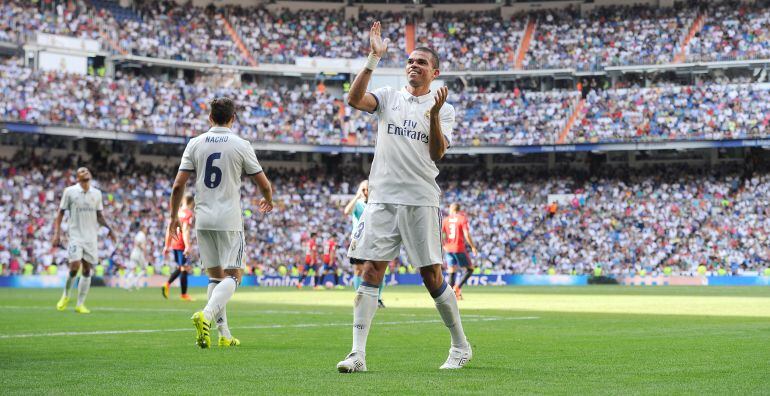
{"x":372,"y":61}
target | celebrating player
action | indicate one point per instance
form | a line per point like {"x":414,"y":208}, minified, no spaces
{"x":84,"y":204}
{"x":414,"y":129}
{"x":181,"y":247}
{"x":219,"y":158}
{"x":354,"y":209}
{"x":456,"y":233}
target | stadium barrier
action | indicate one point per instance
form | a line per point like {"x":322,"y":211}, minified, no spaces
{"x":57,"y":281}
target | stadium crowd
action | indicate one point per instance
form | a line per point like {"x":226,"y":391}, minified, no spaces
{"x":708,"y":111}
{"x":608,"y":36}
{"x":623,"y":222}
{"x":303,"y":113}
{"x":733,"y":30}
{"x":481,"y":40}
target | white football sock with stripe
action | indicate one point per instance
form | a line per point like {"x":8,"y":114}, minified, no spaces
{"x":446,"y":304}
{"x":83,"y":287}
{"x":364,"y":308}
{"x":222,"y":327}
{"x":221,"y":294}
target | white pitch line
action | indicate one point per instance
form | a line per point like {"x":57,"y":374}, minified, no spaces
{"x":121,"y":309}
{"x":267,"y":311}
{"x":277,"y":326}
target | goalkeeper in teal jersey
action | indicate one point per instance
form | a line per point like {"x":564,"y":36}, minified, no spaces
{"x":355,"y":209}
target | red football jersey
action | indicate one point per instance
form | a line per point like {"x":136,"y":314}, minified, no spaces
{"x":330,"y":251}
{"x":185,"y":217}
{"x":454,"y":229}
{"x":311,"y":253}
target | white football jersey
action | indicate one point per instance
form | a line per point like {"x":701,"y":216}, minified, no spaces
{"x":219,"y":158}
{"x":82,"y":207}
{"x":140,"y":241}
{"x":402,"y":171}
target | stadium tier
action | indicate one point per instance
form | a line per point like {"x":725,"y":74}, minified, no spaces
{"x":304,"y":113}
{"x":579,"y":38}
{"x":624,"y":221}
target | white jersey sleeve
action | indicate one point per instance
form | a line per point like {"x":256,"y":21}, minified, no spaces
{"x":250,"y":163}
{"x":65,"y":199}
{"x":383,"y":96}
{"x":187,"y":163}
{"x":447,"y":116}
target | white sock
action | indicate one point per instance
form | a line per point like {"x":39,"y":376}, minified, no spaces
{"x":446,"y":304}
{"x":221,"y":294}
{"x":83,"y":286}
{"x":222,"y":327}
{"x":68,"y":285}
{"x":364,"y":308}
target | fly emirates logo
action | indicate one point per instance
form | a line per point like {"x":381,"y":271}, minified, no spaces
{"x":407,"y":130}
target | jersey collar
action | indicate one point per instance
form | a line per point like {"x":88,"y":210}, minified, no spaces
{"x":218,"y":129}
{"x":418,"y":99}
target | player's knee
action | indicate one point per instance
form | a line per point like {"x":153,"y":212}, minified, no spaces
{"x":432,"y":276}
{"x":86,"y":271}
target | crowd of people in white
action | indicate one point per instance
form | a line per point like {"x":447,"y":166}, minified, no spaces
{"x":624,"y":222}
{"x":481,"y":40}
{"x":306,"y":113}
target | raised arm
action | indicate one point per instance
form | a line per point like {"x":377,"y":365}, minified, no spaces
{"x":266,"y":203}
{"x":351,"y":204}
{"x":358,"y":97}
{"x":437,"y":144}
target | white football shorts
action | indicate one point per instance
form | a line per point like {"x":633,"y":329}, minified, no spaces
{"x":221,"y":248}
{"x":384,"y":227}
{"x":85,"y":251}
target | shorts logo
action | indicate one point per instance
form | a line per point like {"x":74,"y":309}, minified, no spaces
{"x":359,"y":230}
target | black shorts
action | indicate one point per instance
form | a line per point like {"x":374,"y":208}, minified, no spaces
{"x":355,"y":261}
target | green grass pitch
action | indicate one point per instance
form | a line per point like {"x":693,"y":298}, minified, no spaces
{"x":527,"y":340}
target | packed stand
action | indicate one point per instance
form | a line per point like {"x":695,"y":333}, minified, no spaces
{"x":733,"y":31}
{"x":19,"y":20}
{"x":608,"y":36}
{"x":626,"y":223}
{"x":622,"y":222}
{"x":141,"y":104}
{"x":706,"y":111}
{"x":512,"y":118}
{"x":271,"y":112}
{"x":472,"y":40}
{"x":736,"y":235}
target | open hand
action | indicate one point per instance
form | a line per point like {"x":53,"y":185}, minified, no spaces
{"x":439,"y":100}
{"x":378,"y":45}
